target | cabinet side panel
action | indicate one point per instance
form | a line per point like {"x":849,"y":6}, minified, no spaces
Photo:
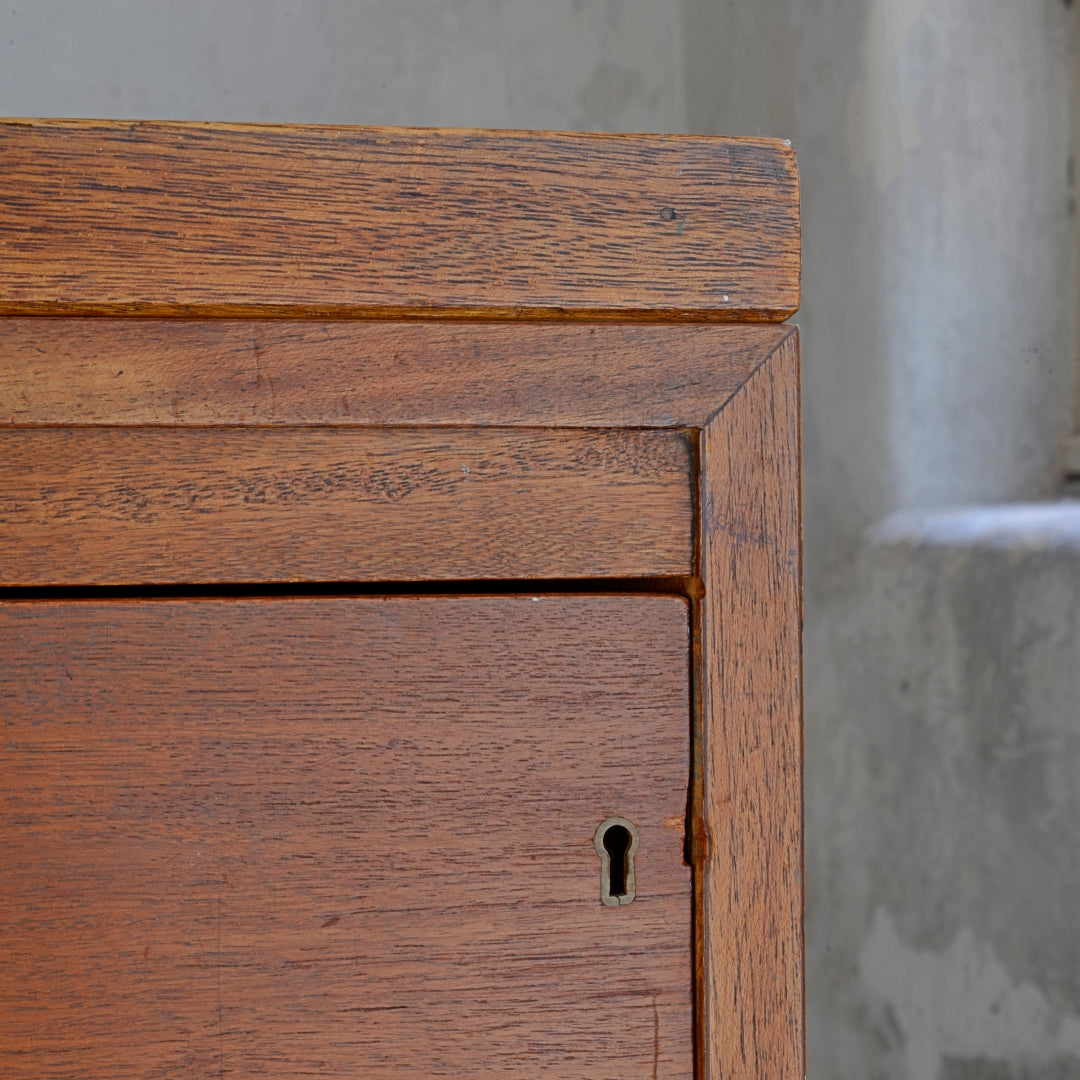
{"x":753,"y":1015}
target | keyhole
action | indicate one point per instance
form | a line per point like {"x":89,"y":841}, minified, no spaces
{"x":615,"y":841}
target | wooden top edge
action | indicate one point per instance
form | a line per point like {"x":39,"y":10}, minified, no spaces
{"x":158,"y":310}
{"x":389,"y":131}
{"x":182,"y":218}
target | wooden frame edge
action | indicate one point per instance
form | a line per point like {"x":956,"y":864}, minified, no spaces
{"x":748,"y":838}
{"x":403,"y":313}
{"x":133,"y":372}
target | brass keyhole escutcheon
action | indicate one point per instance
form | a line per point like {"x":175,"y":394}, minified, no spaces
{"x":616,"y":842}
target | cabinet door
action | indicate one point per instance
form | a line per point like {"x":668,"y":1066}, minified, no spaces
{"x":350,"y":836}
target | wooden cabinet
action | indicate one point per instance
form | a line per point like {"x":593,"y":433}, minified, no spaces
{"x":399,"y":630}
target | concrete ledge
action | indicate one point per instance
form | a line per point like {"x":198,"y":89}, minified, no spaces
{"x":943,"y":783}
{"x":1011,"y":526}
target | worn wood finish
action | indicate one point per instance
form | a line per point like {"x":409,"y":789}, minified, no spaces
{"x":284,"y":420}
{"x":234,"y":371}
{"x":106,"y":506}
{"x":174,"y":218}
{"x":751,"y":679}
{"x":342,"y":838}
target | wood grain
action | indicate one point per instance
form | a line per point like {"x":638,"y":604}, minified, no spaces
{"x":113,"y":506}
{"x":172,"y":218}
{"x":342,"y":838}
{"x":752,"y":699}
{"x":378,"y":355}
{"x":232,"y":371}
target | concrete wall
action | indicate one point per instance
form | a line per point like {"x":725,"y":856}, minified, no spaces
{"x":575,"y":64}
{"x":938,"y":312}
{"x":935,"y":144}
{"x":944,"y":937}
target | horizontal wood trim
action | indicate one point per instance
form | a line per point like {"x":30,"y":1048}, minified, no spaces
{"x":103,"y":506}
{"x":177,"y":371}
{"x":342,"y":838}
{"x":175,"y":218}
{"x":751,"y":541}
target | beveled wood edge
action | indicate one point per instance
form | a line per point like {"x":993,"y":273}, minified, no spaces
{"x":784,"y":348}
{"x":746,"y":828}
{"x":425,"y":375}
{"x":740,"y":259}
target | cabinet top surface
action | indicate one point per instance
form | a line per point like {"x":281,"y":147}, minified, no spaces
{"x":112,"y":217}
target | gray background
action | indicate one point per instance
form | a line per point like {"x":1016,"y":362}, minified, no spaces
{"x":935,"y":144}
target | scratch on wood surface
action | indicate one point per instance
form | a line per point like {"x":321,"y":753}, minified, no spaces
{"x":656,"y":1039}
{"x":221,"y":1032}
